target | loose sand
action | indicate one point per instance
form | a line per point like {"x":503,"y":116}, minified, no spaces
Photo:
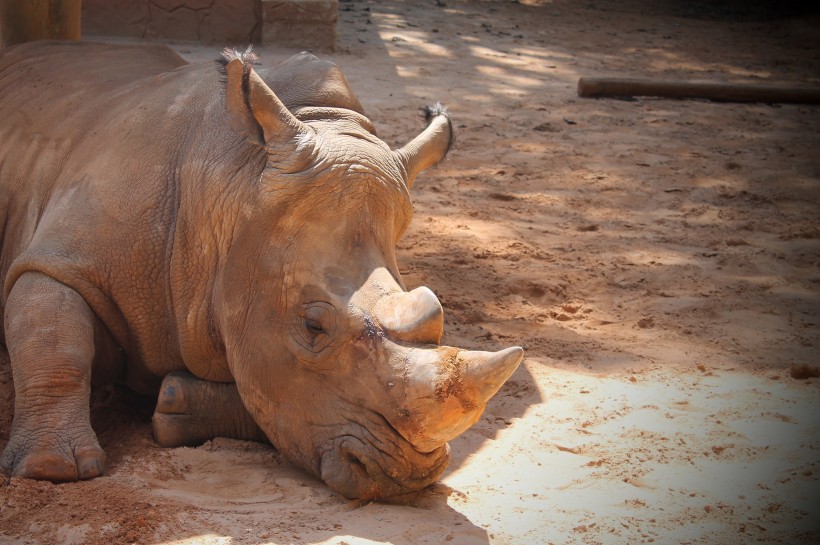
{"x":658,"y":259}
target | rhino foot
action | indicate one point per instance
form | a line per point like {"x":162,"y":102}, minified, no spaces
{"x":191,"y":411}
{"x":56,"y":463}
{"x":50,"y":334}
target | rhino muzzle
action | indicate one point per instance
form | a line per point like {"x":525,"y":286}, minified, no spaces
{"x":447,"y":389}
{"x":431,"y":394}
{"x":404,"y":450}
{"x":381,"y":466}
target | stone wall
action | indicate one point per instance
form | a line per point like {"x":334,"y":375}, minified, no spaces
{"x":230,"y":22}
{"x":300,"y":23}
{"x":307,"y":24}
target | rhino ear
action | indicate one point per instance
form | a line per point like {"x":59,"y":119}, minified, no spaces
{"x":430,"y":147}
{"x":241,"y":118}
{"x":254,"y":107}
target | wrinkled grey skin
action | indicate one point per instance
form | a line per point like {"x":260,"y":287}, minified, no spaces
{"x":239,"y":226}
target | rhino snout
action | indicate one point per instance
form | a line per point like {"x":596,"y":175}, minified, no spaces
{"x":447,"y":390}
{"x":357,"y":469}
{"x":404,"y":450}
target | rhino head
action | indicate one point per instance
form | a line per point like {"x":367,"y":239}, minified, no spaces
{"x":339,"y":365}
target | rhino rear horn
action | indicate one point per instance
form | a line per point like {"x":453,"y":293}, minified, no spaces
{"x":254,"y":107}
{"x":430,"y":147}
{"x":415,"y":316}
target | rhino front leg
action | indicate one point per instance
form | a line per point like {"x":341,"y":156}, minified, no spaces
{"x":50,"y":339}
{"x":191,"y":411}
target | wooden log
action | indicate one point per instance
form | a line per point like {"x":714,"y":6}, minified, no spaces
{"x":27,"y":20}
{"x":724,"y":92}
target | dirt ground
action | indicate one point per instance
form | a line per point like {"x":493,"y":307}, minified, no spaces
{"x":658,"y":259}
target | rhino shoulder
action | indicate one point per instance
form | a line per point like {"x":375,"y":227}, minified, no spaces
{"x":306,"y":81}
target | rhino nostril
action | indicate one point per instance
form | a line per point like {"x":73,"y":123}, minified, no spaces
{"x":354,"y":461}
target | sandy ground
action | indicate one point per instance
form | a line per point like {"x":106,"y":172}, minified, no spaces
{"x":659,"y":260}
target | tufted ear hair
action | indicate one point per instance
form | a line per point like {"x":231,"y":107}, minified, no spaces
{"x":429,"y":147}
{"x":254,"y":107}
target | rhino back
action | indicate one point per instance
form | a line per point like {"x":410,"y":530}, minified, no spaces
{"x":306,"y":81}
{"x":55,"y":97}
{"x":92,"y":142}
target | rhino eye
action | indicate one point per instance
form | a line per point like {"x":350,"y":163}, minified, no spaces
{"x":317,"y":320}
{"x":314,"y":326}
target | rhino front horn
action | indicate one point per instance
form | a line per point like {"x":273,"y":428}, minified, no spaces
{"x":488,"y":371}
{"x":448,"y":389}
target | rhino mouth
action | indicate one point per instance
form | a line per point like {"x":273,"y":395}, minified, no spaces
{"x":378,"y":462}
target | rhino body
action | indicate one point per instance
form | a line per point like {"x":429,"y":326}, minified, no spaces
{"x":225,"y":238}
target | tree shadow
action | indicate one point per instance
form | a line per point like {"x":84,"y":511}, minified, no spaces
{"x":500,"y":217}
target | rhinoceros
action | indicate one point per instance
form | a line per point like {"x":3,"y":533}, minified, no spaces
{"x":222,"y":237}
